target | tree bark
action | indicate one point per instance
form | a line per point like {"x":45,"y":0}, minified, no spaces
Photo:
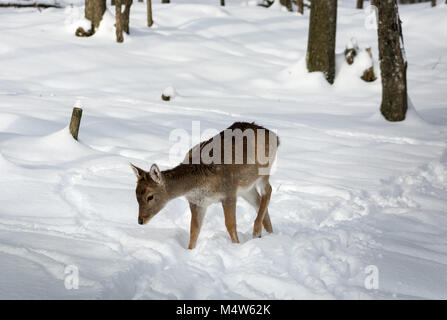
{"x":321,"y":40}
{"x":393,"y":64}
{"x":119,"y":22}
{"x":300,"y":4}
{"x":150,"y":21}
{"x":126,"y":16}
{"x":359,"y":4}
{"x":75,"y":122}
{"x":287,"y":4}
{"x":94,"y":9}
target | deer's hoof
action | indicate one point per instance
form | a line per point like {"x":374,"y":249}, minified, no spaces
{"x":256,"y":235}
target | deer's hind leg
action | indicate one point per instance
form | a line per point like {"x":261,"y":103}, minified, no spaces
{"x":266,"y":191}
{"x":229,"y":208}
{"x":197,"y":215}
{"x":254,"y":199}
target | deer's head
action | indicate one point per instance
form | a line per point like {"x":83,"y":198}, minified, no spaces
{"x":151,"y":192}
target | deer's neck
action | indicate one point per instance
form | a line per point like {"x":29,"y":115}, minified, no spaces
{"x":181,"y":180}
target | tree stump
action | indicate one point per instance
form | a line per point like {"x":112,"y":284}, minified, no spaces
{"x":351,"y":51}
{"x":368,"y":74}
{"x":75,"y":122}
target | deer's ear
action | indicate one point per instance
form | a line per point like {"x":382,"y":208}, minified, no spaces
{"x":155,"y":174}
{"x":140,"y":173}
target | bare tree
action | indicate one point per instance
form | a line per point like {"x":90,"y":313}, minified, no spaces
{"x":119,"y":22}
{"x":94,"y":10}
{"x":126,"y":15}
{"x":150,"y":21}
{"x":393,"y":64}
{"x":321,"y":40}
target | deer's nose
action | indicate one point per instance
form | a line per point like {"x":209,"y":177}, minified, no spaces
{"x":140,"y":220}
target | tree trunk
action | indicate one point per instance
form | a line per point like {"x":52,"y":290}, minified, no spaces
{"x":150,"y":22}
{"x":94,"y":9}
{"x":119,"y":22}
{"x":300,"y":4}
{"x":222,"y":3}
{"x":164,"y":1}
{"x":321,"y":40}
{"x":433,"y":3}
{"x":359,"y":4}
{"x":126,"y":15}
{"x":393,"y":64}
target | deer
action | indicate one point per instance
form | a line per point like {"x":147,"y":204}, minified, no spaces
{"x":207,"y":175}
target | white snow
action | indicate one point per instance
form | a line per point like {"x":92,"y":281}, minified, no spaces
{"x":350,"y":189}
{"x":352,"y":44}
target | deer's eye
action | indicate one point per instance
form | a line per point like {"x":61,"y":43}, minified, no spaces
{"x":149,"y":198}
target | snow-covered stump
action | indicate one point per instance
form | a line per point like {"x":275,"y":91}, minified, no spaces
{"x":168,"y":94}
{"x":368,"y":74}
{"x":352,"y":51}
{"x":75,"y":122}
{"x":352,"y":48}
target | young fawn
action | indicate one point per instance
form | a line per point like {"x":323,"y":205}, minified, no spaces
{"x":240,"y":165}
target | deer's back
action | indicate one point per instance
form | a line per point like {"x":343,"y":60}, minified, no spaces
{"x":242,"y":171}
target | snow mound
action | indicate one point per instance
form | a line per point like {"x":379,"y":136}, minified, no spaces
{"x":349,"y":191}
{"x":297,"y":75}
{"x":107,"y":28}
{"x":56,"y":147}
{"x":348,"y":74}
{"x":412,"y":117}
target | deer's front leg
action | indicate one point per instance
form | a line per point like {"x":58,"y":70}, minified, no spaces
{"x":229,"y":208}
{"x":197,"y":215}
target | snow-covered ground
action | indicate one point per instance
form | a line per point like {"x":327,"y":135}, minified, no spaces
{"x":350,"y":190}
